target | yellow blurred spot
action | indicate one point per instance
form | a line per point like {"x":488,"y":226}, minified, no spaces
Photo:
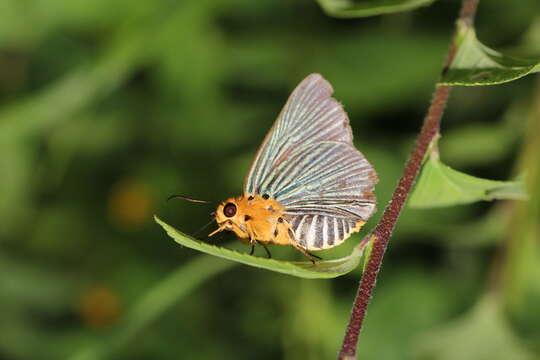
{"x":99,"y":307}
{"x":130,"y":204}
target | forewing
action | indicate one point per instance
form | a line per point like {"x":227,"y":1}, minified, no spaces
{"x":310,"y":116}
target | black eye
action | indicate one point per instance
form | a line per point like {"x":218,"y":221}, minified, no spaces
{"x":229,"y":210}
{"x":266,"y":196}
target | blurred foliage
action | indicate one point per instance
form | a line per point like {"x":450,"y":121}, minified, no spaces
{"x":108,"y":107}
{"x":459,"y":339}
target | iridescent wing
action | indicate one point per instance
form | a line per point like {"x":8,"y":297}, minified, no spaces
{"x":308,"y":163}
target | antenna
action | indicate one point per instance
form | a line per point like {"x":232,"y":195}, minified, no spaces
{"x":182,"y":197}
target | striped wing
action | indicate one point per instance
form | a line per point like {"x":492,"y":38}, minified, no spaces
{"x":326,"y":189}
{"x":308,"y":163}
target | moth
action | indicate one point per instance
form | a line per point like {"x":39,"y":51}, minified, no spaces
{"x":308,"y":186}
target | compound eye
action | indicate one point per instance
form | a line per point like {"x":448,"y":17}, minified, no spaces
{"x":229,"y":210}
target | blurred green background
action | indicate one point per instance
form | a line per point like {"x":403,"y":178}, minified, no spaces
{"x":108,"y":107}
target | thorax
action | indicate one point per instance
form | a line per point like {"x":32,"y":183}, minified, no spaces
{"x":259,"y":209}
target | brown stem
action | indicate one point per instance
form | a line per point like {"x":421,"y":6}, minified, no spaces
{"x":382,"y":232}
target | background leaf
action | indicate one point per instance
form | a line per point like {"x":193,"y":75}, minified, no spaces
{"x":476,"y":64}
{"x":483,"y":333}
{"x":355,"y":8}
{"x":439,"y":185}
{"x":159,"y":299}
{"x":306,"y":269}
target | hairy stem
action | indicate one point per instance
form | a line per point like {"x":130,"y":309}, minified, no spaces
{"x":382,"y":232}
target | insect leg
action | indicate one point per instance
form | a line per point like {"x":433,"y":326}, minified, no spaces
{"x":313,"y":255}
{"x":266,"y":248}
{"x":252,"y":240}
{"x":306,"y":253}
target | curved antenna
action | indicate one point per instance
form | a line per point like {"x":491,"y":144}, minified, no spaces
{"x":182,"y":197}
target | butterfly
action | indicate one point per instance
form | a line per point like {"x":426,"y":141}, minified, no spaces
{"x":308,"y":186}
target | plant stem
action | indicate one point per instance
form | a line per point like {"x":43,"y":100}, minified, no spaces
{"x":382,"y":232}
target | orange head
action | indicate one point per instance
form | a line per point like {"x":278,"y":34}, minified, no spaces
{"x":230,"y":216}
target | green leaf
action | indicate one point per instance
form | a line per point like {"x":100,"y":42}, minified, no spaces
{"x":476,"y":64}
{"x":306,"y":269}
{"x":367,"y":252}
{"x":439,"y":185}
{"x":363,"y":8}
